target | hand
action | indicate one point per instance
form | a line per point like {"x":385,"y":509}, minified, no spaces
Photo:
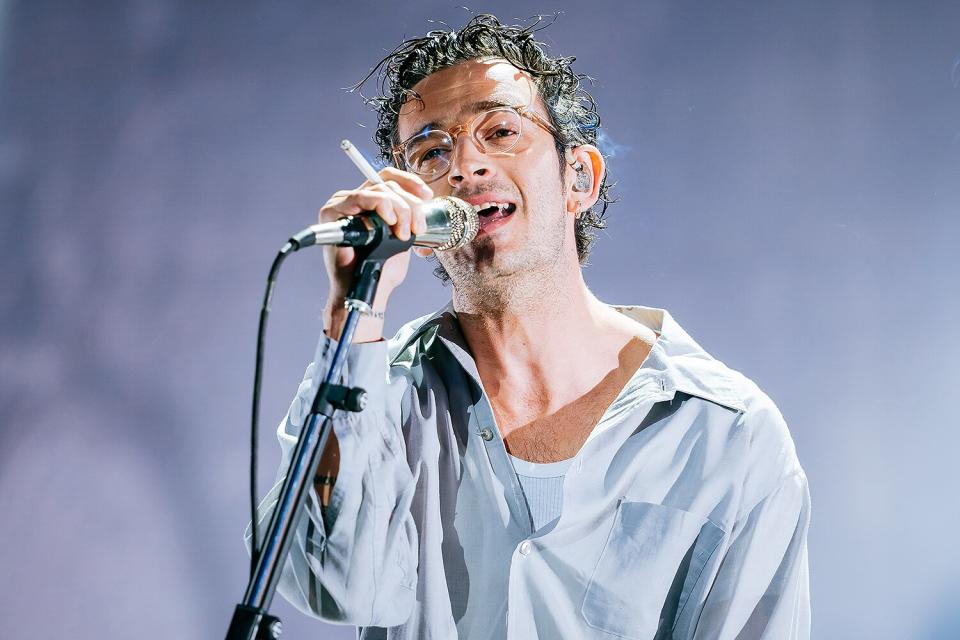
{"x":397,"y":202}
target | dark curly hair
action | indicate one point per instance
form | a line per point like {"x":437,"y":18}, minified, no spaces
{"x":571,"y":109}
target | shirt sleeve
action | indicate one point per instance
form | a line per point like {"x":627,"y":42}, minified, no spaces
{"x":762,"y":590}
{"x":359,"y":566}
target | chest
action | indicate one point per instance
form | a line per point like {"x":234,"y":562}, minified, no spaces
{"x":539,"y":429}
{"x":554,"y":436}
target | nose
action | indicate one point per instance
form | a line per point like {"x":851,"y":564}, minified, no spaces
{"x":467,"y":162}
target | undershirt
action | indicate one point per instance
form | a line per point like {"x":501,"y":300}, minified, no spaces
{"x":542,"y":487}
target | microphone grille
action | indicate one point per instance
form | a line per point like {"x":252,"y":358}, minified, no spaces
{"x":464,"y":223}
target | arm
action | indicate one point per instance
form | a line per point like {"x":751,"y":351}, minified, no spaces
{"x":762,"y":589}
{"x":354,"y":558}
{"x":396,"y":201}
{"x":354,"y":561}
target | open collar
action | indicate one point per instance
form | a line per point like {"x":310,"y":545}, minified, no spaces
{"x":683,"y":365}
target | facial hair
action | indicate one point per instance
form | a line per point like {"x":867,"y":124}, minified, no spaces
{"x":484,"y":281}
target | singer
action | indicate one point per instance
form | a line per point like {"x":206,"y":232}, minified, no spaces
{"x":532,"y":463}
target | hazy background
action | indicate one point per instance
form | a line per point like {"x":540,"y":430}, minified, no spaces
{"x":789,"y":175}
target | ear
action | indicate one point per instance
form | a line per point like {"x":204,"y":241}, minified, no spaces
{"x":593,"y":165}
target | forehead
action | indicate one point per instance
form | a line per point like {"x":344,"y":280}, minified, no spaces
{"x":450,"y":95}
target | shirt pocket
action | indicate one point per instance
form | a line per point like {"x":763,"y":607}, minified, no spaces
{"x":649,"y":565}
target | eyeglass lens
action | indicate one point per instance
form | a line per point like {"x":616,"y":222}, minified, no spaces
{"x":495,"y":131}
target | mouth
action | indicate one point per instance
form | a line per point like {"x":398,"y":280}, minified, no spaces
{"x":493,"y":214}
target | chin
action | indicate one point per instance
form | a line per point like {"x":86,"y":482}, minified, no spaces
{"x":486,"y":265}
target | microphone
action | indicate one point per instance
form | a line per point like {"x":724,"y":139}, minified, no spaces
{"x":451,"y":224}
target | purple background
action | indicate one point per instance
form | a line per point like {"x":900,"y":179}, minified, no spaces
{"x":790,"y":185}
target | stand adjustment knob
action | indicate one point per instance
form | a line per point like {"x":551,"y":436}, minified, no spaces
{"x":270,"y":628}
{"x":352,"y":399}
{"x":356,"y":399}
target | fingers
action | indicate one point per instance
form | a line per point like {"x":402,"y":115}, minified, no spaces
{"x":407,"y":184}
{"x":388,"y":204}
{"x":397,"y":201}
{"x":410,"y":182}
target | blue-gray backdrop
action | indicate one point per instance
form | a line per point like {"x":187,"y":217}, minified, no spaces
{"x":789,"y":175}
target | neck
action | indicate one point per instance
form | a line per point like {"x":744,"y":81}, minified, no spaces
{"x":519,"y":323}
{"x":531,"y":290}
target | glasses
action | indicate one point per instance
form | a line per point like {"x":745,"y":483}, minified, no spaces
{"x":498,"y":130}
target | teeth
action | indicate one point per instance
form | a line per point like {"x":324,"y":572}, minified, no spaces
{"x":486,"y":205}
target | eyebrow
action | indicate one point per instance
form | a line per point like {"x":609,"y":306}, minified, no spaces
{"x":472,"y":108}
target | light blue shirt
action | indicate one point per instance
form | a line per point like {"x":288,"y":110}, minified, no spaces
{"x":684,"y":514}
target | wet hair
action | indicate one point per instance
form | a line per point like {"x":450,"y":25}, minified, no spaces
{"x":570,"y":108}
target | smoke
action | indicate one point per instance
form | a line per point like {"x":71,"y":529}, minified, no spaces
{"x":609,"y":148}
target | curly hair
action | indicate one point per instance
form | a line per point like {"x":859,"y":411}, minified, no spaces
{"x":571,"y":109}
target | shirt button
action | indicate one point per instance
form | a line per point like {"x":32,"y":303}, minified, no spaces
{"x":526,"y":547}
{"x":486,"y":433}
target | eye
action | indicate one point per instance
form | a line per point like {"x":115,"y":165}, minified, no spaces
{"x":428,"y":157}
{"x":501,"y":132}
{"x":432,"y":154}
{"x":430,"y":161}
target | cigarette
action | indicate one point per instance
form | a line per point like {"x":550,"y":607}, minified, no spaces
{"x":368,"y":171}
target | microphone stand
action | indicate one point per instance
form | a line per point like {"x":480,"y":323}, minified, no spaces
{"x":251,"y":620}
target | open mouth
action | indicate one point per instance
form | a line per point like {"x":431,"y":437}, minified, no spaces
{"x":491,"y":212}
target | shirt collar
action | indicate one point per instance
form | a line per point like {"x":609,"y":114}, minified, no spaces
{"x":686,"y":365}
{"x":683,"y":364}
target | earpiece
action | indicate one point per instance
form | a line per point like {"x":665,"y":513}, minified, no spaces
{"x":582,"y":183}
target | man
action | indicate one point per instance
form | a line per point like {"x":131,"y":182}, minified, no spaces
{"x":533,"y":463}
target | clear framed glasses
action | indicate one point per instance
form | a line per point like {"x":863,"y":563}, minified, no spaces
{"x":498,"y":130}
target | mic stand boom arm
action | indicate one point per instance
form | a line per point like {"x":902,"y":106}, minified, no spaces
{"x":250,"y":619}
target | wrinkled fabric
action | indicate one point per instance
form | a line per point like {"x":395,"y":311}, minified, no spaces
{"x":684,"y":514}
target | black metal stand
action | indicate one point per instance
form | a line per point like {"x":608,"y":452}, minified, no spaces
{"x":250,"y":619}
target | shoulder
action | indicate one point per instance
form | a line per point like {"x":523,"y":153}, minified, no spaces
{"x":699,"y":373}
{"x":771,"y":455}
{"x":765,"y":428}
{"x":768,"y":448}
{"x":404,"y":344}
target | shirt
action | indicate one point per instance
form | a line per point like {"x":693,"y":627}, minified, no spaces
{"x":685,"y":512}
